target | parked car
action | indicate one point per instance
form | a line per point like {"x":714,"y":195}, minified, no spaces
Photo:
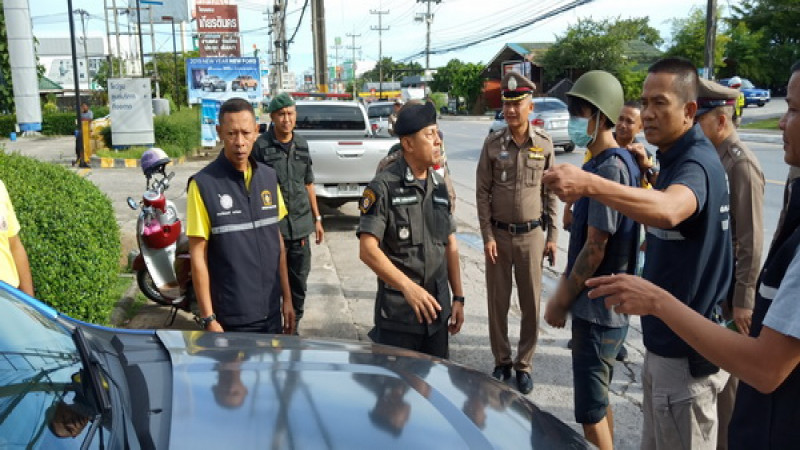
{"x":551,"y":115}
{"x":752,"y":94}
{"x":244,"y":83}
{"x":67,"y":384}
{"x":378,"y":113}
{"x":213,"y":83}
{"x":343,"y":147}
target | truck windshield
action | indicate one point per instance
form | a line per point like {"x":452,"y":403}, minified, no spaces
{"x":330,"y":117}
{"x":379,"y":111}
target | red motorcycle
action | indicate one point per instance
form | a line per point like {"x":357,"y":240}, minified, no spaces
{"x":163,"y":267}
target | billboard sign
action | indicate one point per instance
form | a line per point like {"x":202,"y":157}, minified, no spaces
{"x":131,"y":111}
{"x":223,"y":78}
{"x":162,"y":10}
{"x":217,"y":19}
{"x":226,"y":44}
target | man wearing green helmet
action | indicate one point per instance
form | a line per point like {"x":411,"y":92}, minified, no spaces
{"x":602,"y":241}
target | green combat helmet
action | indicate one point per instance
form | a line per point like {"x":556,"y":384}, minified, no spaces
{"x":601,"y":89}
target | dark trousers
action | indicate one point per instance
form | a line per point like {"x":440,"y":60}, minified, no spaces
{"x":298,"y":259}
{"x":435,"y":345}
{"x":270,"y":325}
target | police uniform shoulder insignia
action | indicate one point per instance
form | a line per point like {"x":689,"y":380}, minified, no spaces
{"x":367,"y":201}
{"x":542,"y":134}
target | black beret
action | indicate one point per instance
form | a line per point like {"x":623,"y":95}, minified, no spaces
{"x":414,"y":117}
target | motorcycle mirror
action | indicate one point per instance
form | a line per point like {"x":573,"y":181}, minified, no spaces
{"x":132,"y":203}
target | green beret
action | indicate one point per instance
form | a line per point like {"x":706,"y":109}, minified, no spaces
{"x":414,"y":117}
{"x":280,"y":101}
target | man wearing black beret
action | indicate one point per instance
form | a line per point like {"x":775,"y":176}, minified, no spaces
{"x":406,"y":235}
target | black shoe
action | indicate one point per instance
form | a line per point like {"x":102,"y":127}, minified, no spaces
{"x":622,"y":356}
{"x":524,"y":382}
{"x":502,"y":373}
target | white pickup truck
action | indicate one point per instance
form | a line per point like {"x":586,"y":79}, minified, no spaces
{"x":344,"y":150}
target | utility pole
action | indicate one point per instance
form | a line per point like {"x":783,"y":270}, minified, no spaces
{"x":84,"y":17}
{"x":337,"y":45}
{"x":320,"y":49}
{"x":279,"y":39}
{"x":428,"y":18}
{"x":139,"y":30}
{"x":711,"y":37}
{"x":353,"y":65}
{"x":380,"y":30}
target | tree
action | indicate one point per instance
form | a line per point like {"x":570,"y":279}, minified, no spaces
{"x":777,"y":21}
{"x":169,"y":75}
{"x":467,"y":82}
{"x":443,"y":78}
{"x":689,"y":40}
{"x":591,"y":44}
{"x":392,"y":70}
{"x":745,"y":55}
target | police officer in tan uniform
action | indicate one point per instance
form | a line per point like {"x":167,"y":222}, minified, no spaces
{"x":716,"y":104}
{"x":517,"y":216}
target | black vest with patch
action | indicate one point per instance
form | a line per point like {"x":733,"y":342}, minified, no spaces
{"x":244,"y":245}
{"x":767,"y":421}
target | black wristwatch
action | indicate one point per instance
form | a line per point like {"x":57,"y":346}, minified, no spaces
{"x":205,"y":321}
{"x":458,"y":298}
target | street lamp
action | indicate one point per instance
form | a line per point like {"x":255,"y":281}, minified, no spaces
{"x":175,"y":58}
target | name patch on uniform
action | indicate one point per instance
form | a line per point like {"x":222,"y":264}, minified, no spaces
{"x":406,"y":200}
{"x":266,"y":198}
{"x":367,"y":201}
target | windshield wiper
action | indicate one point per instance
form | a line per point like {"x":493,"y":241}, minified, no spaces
{"x":92,"y":369}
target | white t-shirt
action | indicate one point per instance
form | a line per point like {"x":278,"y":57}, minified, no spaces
{"x":784,"y":314}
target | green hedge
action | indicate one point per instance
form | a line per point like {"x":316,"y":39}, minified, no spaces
{"x":58,"y":124}
{"x":70,"y":234}
{"x":178,"y":133}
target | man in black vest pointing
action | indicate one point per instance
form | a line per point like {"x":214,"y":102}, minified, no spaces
{"x":238,"y":259}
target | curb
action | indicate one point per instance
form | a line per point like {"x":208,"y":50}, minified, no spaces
{"x":764,"y":138}
{"x":97,"y":162}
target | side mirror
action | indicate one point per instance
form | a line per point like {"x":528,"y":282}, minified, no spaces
{"x":132,"y":204}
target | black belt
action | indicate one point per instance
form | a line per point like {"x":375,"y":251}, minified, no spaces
{"x":517,"y":228}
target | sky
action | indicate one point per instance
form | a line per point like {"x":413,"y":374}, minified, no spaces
{"x":454,"y":21}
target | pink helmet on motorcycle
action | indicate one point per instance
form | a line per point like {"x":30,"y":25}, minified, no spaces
{"x":153,"y":160}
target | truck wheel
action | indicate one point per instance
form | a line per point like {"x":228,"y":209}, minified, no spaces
{"x":761,"y":104}
{"x":569,"y":147}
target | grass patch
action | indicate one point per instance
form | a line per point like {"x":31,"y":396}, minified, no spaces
{"x":132,"y":152}
{"x":117,"y":290}
{"x":767,"y":124}
{"x":138,"y":301}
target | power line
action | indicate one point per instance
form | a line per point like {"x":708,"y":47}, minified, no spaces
{"x":502,"y":32}
{"x":300,"y":21}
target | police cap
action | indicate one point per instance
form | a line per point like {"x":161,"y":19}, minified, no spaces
{"x":414,"y":117}
{"x":280,"y":101}
{"x":711,"y":95}
{"x":515,"y":87}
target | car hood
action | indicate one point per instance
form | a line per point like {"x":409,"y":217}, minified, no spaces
{"x":246,"y":390}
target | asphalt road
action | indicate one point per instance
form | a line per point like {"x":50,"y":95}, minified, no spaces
{"x":341,"y":288}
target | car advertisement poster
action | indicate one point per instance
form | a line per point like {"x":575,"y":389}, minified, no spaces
{"x":208,"y":126}
{"x":131,"y":111}
{"x":220,"y":78}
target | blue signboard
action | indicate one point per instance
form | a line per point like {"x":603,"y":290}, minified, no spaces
{"x":221,"y":78}
{"x":209,"y":122}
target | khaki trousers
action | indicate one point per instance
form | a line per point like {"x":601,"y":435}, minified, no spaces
{"x":521,"y":253}
{"x":680,"y":411}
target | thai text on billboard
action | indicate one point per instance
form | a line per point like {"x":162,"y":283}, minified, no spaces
{"x":131,"y":111}
{"x":217,"y":19}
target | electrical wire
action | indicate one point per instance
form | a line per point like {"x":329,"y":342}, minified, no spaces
{"x":300,"y":21}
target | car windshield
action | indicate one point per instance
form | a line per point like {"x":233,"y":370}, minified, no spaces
{"x":549,"y":105}
{"x":41,"y":400}
{"x":374,"y":111}
{"x":329,"y":117}
{"x":747,"y":84}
